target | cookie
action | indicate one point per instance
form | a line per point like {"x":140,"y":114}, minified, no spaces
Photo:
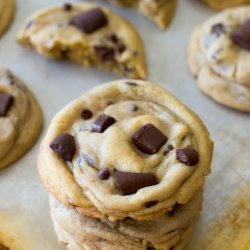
{"x":218,"y":55}
{"x":20,"y":118}
{"x":160,"y":12}
{"x":12,"y":235}
{"x":87,"y":34}
{"x":125,"y":149}
{"x":223,"y":4}
{"x":166,"y":232}
{"x":7,"y":9}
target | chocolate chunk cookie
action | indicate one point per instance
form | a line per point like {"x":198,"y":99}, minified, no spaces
{"x":88,"y":34}
{"x":219,"y":55}
{"x":20,"y":118}
{"x":114,"y":164}
{"x":7,"y":8}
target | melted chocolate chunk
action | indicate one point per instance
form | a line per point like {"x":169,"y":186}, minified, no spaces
{"x":121,"y":48}
{"x":105,"y":53}
{"x":170,"y":147}
{"x":218,"y":29}
{"x":110,"y":102}
{"x":113,"y":38}
{"x":104,"y":174}
{"x":102,"y":122}
{"x":132,"y":84}
{"x":6,"y":101}
{"x":67,"y":7}
{"x":149,"y":139}
{"x":86,"y":114}
{"x":150,"y":204}
{"x":188,"y":156}
{"x":129,"y":183}
{"x":64,"y":146}
{"x":134,"y":108}
{"x":241,"y":36}
{"x":90,"y":21}
{"x":150,"y":248}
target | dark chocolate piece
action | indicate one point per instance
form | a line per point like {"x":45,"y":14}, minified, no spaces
{"x":86,"y":114}
{"x":102,"y":122}
{"x":218,"y":29}
{"x":64,"y":146}
{"x":104,"y":174}
{"x":150,"y":204}
{"x":149,"y":139}
{"x":241,"y":36}
{"x":6,"y":101}
{"x":105,"y":53}
{"x":129,"y":183}
{"x":188,"y":156}
{"x":90,"y":21}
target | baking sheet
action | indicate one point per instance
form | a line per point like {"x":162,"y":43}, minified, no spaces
{"x":57,"y":83}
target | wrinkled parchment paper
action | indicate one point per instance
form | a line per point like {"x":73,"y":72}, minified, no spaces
{"x":57,"y":83}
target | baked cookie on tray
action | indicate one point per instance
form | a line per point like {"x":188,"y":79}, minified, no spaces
{"x":12,"y":235}
{"x":219,"y":56}
{"x":223,"y":4}
{"x":88,"y":34}
{"x":7,"y":9}
{"x":169,"y":231}
{"x":159,"y":11}
{"x":125,"y":149}
{"x":20,"y":118}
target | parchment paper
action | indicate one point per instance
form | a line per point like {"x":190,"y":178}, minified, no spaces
{"x":57,"y":83}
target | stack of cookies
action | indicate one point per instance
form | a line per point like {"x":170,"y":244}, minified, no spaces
{"x":125,"y":165}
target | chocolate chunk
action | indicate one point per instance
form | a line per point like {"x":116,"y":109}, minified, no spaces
{"x":6,"y":101}
{"x":241,"y":36}
{"x":104,"y":174}
{"x":113,"y":38}
{"x":218,"y":29}
{"x":132,"y":84}
{"x":121,"y":48}
{"x":129,"y":183}
{"x":134,"y":108}
{"x":170,"y":147}
{"x":86,"y":114}
{"x":110,"y":102}
{"x":149,"y":139}
{"x":188,"y":156}
{"x":150,"y":248}
{"x":105,"y":53}
{"x":64,"y":146}
{"x":67,"y":7}
{"x":90,"y":21}
{"x":102,"y":122}
{"x":150,"y":204}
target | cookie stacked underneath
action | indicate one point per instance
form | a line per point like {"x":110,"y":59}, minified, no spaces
{"x":125,"y":165}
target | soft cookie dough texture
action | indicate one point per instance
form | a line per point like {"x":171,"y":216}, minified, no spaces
{"x":7,"y":8}
{"x":126,"y":149}
{"x":223,"y":4}
{"x":159,"y":11}
{"x":20,"y":118}
{"x":87,"y":34}
{"x":219,"y":56}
